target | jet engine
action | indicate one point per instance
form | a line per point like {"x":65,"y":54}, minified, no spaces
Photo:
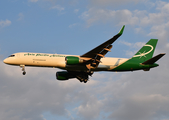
{"x":72,"y":60}
{"x":64,"y":75}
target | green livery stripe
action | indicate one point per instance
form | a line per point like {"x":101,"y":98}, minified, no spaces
{"x":132,"y":65}
{"x":144,"y":54}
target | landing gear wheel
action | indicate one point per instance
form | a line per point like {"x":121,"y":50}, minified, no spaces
{"x":85,"y":81}
{"x":24,"y":73}
{"x":81,"y":80}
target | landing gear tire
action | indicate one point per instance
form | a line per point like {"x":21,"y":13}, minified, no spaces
{"x":81,"y":80}
{"x":85,"y":81}
{"x":24,"y":73}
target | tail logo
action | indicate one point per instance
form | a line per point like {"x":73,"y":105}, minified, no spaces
{"x":143,"y":54}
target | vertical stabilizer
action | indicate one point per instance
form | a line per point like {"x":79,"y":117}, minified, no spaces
{"x":146,"y":52}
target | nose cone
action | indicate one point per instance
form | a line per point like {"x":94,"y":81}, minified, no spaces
{"x":6,"y":61}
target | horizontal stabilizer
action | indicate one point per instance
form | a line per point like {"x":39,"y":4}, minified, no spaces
{"x":154,"y":59}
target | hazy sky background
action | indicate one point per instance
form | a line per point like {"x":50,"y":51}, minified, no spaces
{"x":75,"y":27}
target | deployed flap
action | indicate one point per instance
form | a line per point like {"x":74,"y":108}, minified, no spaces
{"x":154,"y":59}
{"x":104,"y":46}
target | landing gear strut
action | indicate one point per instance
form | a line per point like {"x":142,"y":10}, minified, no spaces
{"x":23,"y":69}
{"x":84,"y":76}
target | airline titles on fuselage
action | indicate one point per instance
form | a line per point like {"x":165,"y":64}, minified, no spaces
{"x":39,"y":54}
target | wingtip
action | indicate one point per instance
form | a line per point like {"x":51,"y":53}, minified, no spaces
{"x":122,"y":29}
{"x":163,"y":54}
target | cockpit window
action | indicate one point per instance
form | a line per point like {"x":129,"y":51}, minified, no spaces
{"x":12,"y":56}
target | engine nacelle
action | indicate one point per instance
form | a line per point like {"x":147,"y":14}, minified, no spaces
{"x":72,"y":60}
{"x":64,"y":75}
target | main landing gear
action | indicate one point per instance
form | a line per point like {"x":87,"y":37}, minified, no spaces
{"x":84,"y":76}
{"x":23,"y":69}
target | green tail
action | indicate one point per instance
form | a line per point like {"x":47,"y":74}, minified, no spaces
{"x":142,"y":59}
{"x":146,"y":52}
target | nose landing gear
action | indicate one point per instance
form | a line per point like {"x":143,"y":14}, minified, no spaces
{"x":23,"y":69}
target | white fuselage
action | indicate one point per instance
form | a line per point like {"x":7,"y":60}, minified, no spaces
{"x":58,"y":61}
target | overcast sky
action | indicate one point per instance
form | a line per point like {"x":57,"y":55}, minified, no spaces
{"x":76,"y":27}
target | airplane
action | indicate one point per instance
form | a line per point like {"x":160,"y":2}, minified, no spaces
{"x":81,"y":67}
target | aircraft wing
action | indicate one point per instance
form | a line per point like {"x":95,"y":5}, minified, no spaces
{"x":100,"y":51}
